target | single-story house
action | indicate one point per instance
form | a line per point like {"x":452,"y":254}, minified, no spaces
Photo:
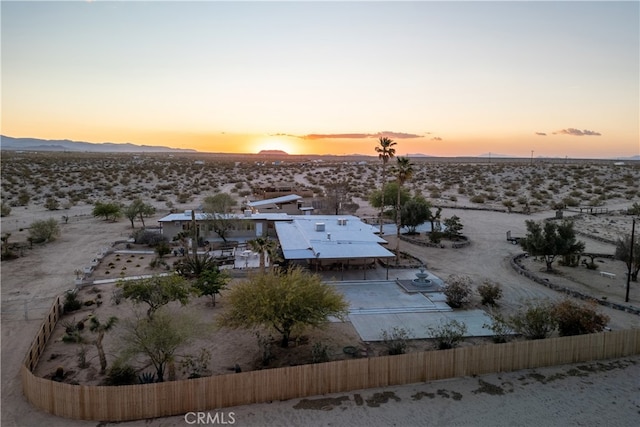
{"x":322,"y":241}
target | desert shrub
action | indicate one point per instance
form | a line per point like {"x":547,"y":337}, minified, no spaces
{"x":478,"y":198}
{"x":490,"y":292}
{"x":147,"y":237}
{"x":319,"y":353}
{"x":534,"y":321}
{"x":635,"y":208}
{"x":435,"y":236}
{"x":570,"y":201}
{"x":58,"y":374}
{"x":52,"y":204}
{"x":501,"y":330}
{"x":121,"y":373}
{"x":196,"y":366}
{"x":162,"y":249}
{"x":396,"y":340}
{"x":71,"y":302}
{"x":448,"y":334}
{"x":5,"y":209}
{"x":457,"y":290}
{"x":576,"y":319}
{"x":44,"y":230}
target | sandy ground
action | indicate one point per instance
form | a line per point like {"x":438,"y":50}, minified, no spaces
{"x":600,"y":396}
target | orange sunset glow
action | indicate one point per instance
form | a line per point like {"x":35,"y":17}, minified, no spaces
{"x":451,"y":79}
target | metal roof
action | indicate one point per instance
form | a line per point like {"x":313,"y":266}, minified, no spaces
{"x":329,"y":237}
{"x":275,"y":200}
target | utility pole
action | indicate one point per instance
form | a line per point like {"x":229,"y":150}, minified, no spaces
{"x":633,"y":232}
{"x":532,"y":157}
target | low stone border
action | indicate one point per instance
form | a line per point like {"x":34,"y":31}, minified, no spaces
{"x":454,"y":245}
{"x":576,"y":294}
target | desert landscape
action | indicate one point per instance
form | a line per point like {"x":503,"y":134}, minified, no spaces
{"x":490,"y":197}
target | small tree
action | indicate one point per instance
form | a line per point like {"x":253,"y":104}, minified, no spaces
{"x":218,"y":209}
{"x":100,"y":329}
{"x":490,"y":292}
{"x":156,"y":291}
{"x":457,"y":290}
{"x":453,"y":227}
{"x":283,"y":300}
{"x":396,"y":340}
{"x":577,"y":319}
{"x":211,"y":282}
{"x":623,"y":253}
{"x":107,"y":210}
{"x":415,"y":212}
{"x":44,"y":230}
{"x":262,"y":246}
{"x":161,"y":337}
{"x":535,"y":321}
{"x":551,"y":240}
{"x":447,"y":335}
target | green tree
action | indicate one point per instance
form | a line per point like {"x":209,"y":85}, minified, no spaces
{"x":107,"y":210}
{"x":283,"y":300}
{"x":551,"y":240}
{"x":46,"y":230}
{"x":623,"y":253}
{"x":156,"y":291}
{"x":138,"y":209}
{"x":385,"y":152}
{"x":404,"y":172}
{"x":415,"y":212}
{"x":211,"y":282}
{"x":453,"y":227}
{"x":390,"y":196}
{"x":219,"y":211}
{"x":262,"y":246}
{"x":100,"y":329}
{"x":161,"y":337}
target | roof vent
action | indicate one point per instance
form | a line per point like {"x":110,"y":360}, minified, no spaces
{"x":187,"y":213}
{"x":319,"y":226}
{"x":247,"y":213}
{"x":342,"y":221}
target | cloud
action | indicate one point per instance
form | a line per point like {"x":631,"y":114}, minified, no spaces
{"x":436,"y":138}
{"x":335,"y":135}
{"x":398,"y":135}
{"x":388,"y":134}
{"x":541,"y":134}
{"x":577,"y":132}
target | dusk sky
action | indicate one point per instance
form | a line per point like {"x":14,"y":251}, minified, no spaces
{"x":439,"y":78}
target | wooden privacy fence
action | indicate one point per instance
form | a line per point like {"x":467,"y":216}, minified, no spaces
{"x":120,"y":403}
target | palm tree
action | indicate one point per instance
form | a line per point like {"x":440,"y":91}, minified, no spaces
{"x":385,"y":152}
{"x":101,"y":329}
{"x":404,"y":172}
{"x":262,"y":245}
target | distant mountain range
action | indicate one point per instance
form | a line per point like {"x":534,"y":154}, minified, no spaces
{"x":33,"y":144}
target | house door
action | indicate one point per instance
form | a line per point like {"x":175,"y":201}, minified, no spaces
{"x":258,"y":229}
